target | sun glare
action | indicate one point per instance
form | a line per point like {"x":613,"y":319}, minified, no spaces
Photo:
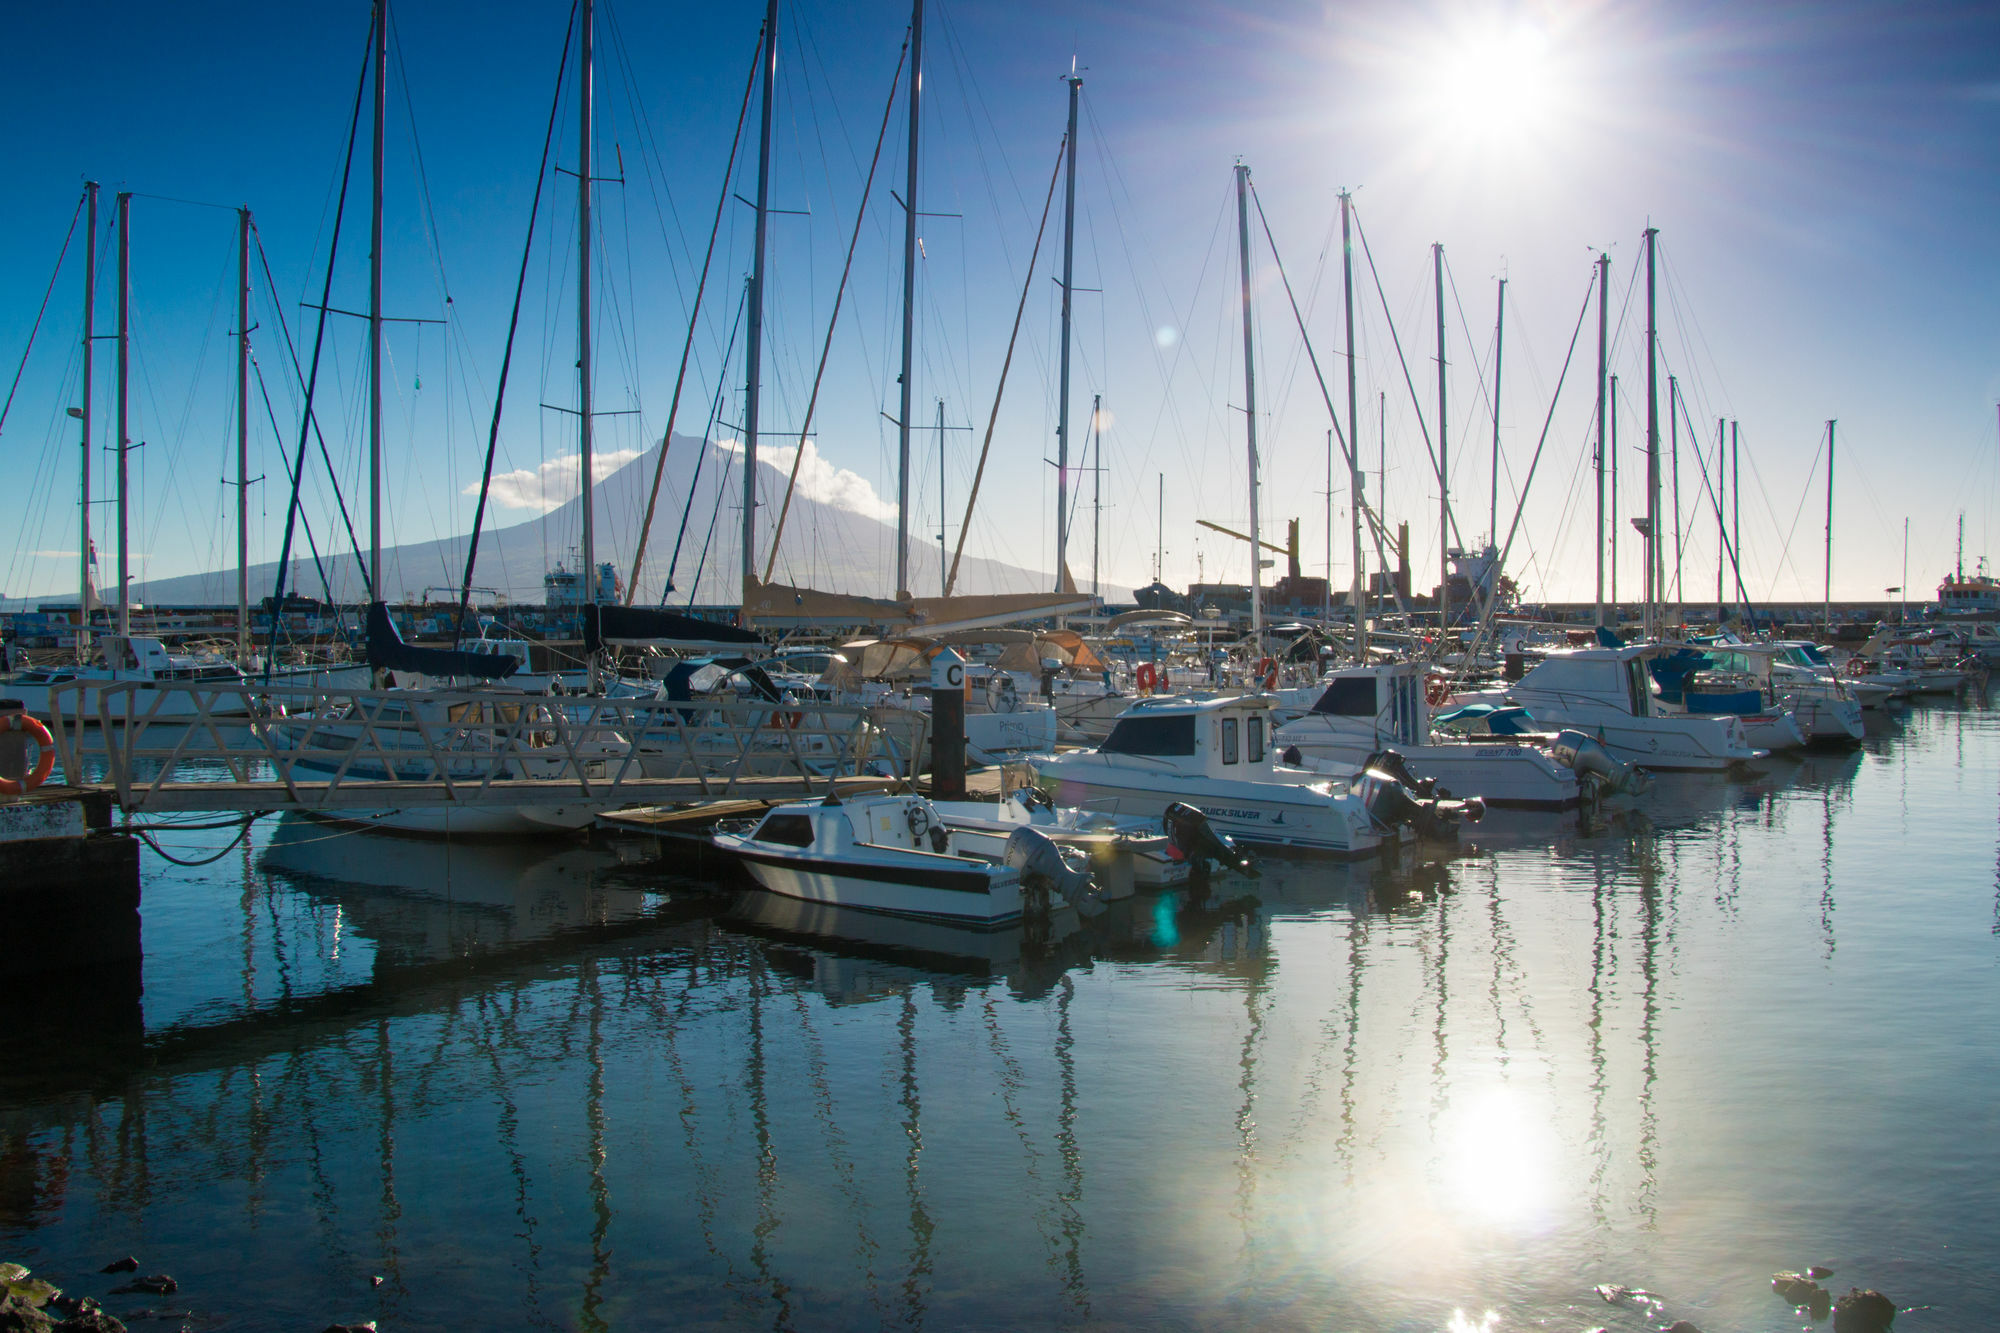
{"x":1491,"y":86}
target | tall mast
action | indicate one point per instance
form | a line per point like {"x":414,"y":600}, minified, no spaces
{"x":753,"y":341}
{"x":124,"y":405}
{"x":1096,"y":492}
{"x":1160,"y":531}
{"x":1075,"y":82}
{"x":1603,"y":352}
{"x":1721,"y":522}
{"x":1674,"y":432}
{"x":83,"y":415}
{"x":910,"y":312}
{"x":943,"y":573}
{"x":1250,"y":408}
{"x":1736,"y":504}
{"x":1614,"y":497}
{"x":1652,"y":448}
{"x":375,"y":592}
{"x":1444,"y":460}
{"x":1829,"y":529}
{"x":585,"y":93}
{"x":1499,"y":345}
{"x":1353,"y":430}
{"x":242,"y":434}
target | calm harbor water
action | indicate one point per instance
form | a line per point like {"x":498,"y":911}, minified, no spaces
{"x":1744,"y":1028}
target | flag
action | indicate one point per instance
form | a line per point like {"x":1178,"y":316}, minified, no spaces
{"x":93,"y":553}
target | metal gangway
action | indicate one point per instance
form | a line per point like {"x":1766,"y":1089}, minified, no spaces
{"x":168,"y":747}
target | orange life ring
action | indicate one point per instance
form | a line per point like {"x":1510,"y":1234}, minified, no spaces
{"x":1437,"y":689}
{"x":43,"y":766}
{"x":1857,"y":666}
{"x":1146,"y":678}
{"x":787,"y":721}
{"x":1268,"y":669}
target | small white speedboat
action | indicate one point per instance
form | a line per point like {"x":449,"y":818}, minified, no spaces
{"x":1125,"y":852}
{"x":894,"y":854}
{"x":1215,"y":755}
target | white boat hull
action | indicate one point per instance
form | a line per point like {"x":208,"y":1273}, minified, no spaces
{"x":1300,"y":818}
{"x":923,"y":885}
{"x":1504,"y":774}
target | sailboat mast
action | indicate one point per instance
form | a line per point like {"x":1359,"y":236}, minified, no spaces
{"x":83,"y":415}
{"x":1096,"y":492}
{"x":124,"y":406}
{"x":586,"y":93}
{"x":1603,"y":353}
{"x":1353,"y":430}
{"x":1721,"y":523}
{"x":1652,"y":447}
{"x":908,"y":386}
{"x":1736,"y":503}
{"x":375,"y":592}
{"x":943,"y":559}
{"x":1160,"y":533}
{"x":753,"y":340}
{"x":1075,"y":82}
{"x":1674,"y":433}
{"x":1250,"y":408}
{"x":1614,"y":497}
{"x":242,"y":434}
{"x":1499,"y":346}
{"x":1444,"y":459}
{"x":1829,"y":529}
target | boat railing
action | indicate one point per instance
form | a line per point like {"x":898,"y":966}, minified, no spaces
{"x":172,"y":745}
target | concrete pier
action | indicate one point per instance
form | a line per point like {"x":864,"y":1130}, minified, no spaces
{"x":69,"y":884}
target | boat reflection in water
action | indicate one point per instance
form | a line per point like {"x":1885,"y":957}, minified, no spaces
{"x":849,"y":955}
{"x":421,"y":899}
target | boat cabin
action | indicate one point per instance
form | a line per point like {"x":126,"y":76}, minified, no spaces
{"x":1387,"y":700}
{"x":1615,"y":676}
{"x":1215,"y":738}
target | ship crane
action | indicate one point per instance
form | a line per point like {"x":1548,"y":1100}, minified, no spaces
{"x":1290,"y":550}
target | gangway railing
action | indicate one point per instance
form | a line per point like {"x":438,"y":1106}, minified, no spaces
{"x":242,"y":746}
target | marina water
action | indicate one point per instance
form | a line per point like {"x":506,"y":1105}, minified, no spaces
{"x":1746,"y":1027}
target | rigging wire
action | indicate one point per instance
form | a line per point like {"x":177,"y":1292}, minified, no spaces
{"x":833,"y":319}
{"x":312,"y":381}
{"x":507,"y":357}
{"x":40,"y":310}
{"x":687,"y":347}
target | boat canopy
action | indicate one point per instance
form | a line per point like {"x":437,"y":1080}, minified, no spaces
{"x":387,"y":650}
{"x":650,"y":627}
{"x":1492,"y":719}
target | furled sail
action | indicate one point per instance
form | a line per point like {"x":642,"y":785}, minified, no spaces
{"x":387,"y":650}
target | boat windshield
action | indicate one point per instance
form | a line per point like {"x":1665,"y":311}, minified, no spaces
{"x":1173,"y":735}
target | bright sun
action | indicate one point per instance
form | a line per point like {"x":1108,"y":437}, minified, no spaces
{"x":1492,"y":86}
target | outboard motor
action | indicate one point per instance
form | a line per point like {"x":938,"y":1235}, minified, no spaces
{"x":1397,"y":767}
{"x":1586,"y":755}
{"x":1190,"y":837}
{"x":1391,"y":804}
{"x":1045,"y":865}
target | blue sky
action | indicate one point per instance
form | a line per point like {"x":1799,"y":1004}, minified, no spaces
{"x":1822,"y":175}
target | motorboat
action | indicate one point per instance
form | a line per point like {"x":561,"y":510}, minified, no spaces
{"x":1216,"y":756}
{"x":1804,"y":670}
{"x":1501,"y":757}
{"x":1125,"y":851}
{"x":1608,"y":694}
{"x":1823,"y":708}
{"x":894,"y":854}
{"x":127,"y":659}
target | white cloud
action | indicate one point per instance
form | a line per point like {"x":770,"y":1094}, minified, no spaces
{"x":554,"y":483}
{"x":821,"y":481}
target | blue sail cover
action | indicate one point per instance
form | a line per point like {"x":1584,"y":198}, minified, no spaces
{"x":387,"y":650}
{"x":645,"y":626}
